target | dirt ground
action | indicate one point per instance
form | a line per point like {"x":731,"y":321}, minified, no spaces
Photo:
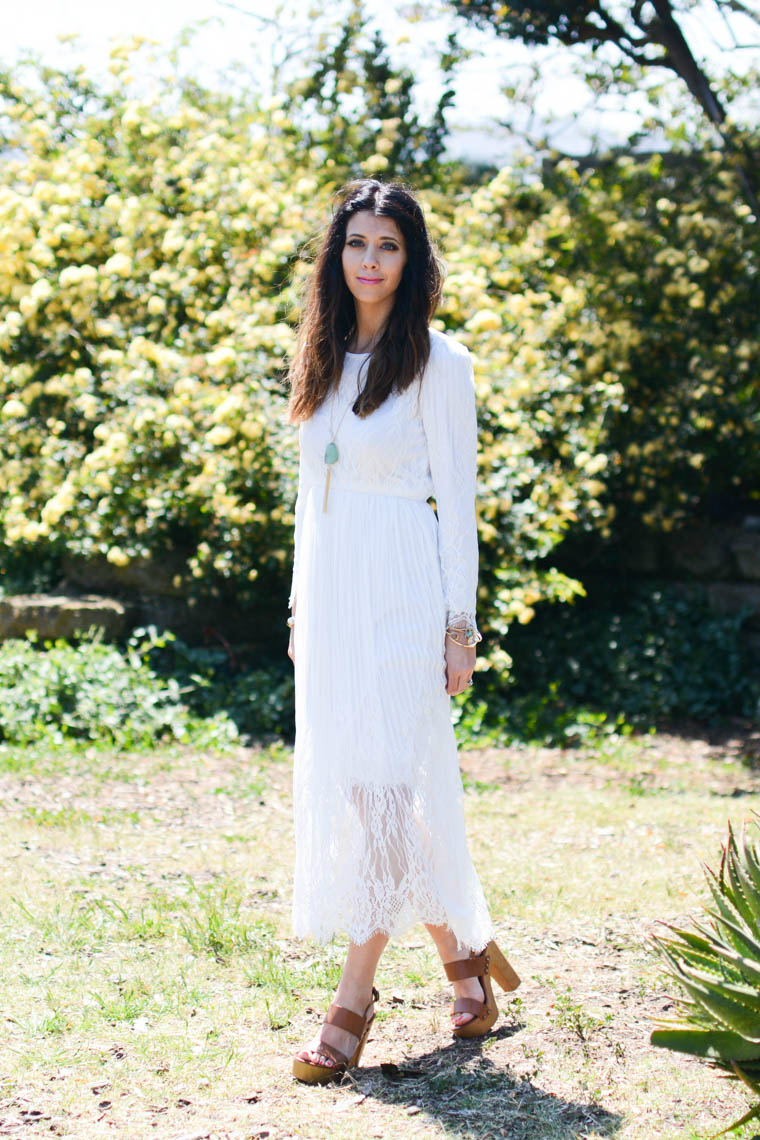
{"x":150,"y":985}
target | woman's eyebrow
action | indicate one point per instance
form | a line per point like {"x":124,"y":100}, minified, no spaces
{"x":383,"y":237}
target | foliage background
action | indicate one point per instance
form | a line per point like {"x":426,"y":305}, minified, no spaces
{"x":155,"y":238}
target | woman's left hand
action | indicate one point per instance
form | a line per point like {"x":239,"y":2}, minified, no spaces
{"x":460,"y":663}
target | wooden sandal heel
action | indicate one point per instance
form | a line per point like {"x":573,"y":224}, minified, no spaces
{"x":484,"y":1013}
{"x":344,"y":1019}
{"x":501,"y":969}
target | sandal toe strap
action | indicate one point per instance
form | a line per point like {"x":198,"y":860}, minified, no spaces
{"x":331,"y":1052}
{"x":466,"y":968}
{"x":470,"y":1005}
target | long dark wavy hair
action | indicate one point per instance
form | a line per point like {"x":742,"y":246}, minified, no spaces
{"x":329,"y":314}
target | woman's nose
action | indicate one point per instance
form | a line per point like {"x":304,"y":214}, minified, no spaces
{"x":370,"y":258}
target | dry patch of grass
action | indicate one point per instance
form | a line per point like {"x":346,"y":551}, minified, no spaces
{"x":150,"y":986}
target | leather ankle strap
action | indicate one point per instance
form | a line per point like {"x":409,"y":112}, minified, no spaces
{"x":344,"y":1018}
{"x":467,"y":967}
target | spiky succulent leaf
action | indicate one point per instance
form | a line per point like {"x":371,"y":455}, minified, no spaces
{"x":744,"y":898}
{"x":751,"y":1082}
{"x":736,"y":1006}
{"x":722,"y":898}
{"x":751,"y":861}
{"x":751,"y":1115}
{"x":720,"y":959}
{"x":717,"y":972}
{"x":678,"y":955}
{"x":714,"y":1045}
{"x":740,"y":938}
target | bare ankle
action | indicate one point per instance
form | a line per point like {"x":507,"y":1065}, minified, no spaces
{"x":354,"y":994}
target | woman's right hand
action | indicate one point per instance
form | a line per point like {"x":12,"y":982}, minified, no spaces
{"x":291,"y":644}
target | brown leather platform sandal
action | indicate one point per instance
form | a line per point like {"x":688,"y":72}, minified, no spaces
{"x":490,"y":962}
{"x":344,"y":1019}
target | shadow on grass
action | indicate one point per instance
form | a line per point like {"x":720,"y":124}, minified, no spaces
{"x":735,"y":737}
{"x":469,"y":1094}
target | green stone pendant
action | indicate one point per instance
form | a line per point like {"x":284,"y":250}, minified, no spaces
{"x":331,"y":453}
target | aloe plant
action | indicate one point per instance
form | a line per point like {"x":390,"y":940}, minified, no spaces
{"x":717,"y":968}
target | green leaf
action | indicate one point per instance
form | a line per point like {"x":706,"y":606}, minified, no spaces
{"x":737,"y":1007}
{"x":721,"y":895}
{"x":752,"y":1085}
{"x":745,"y":939}
{"x":714,"y":1044}
{"x":746,"y":897}
{"x":709,"y":961}
{"x":749,"y":855}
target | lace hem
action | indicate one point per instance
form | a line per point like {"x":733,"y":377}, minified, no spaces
{"x":384,"y":865}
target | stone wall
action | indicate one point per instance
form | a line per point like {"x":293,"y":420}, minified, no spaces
{"x":94,"y":592}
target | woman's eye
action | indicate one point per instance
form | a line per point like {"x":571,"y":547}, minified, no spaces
{"x":386,"y":244}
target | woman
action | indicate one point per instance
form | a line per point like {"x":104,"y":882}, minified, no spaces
{"x":383,"y":627}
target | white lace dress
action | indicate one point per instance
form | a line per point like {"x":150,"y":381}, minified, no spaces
{"x":378,"y":798}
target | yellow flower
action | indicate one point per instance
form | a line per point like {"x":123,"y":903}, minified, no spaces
{"x":77,"y":275}
{"x":306,"y":187}
{"x":220,"y":435}
{"x":374,"y":163}
{"x":12,"y":409}
{"x":120,"y":265}
{"x":484,"y":320}
{"x":222,"y":357}
{"x":229,"y":406}
{"x":156,"y":306}
{"x":59,"y":505}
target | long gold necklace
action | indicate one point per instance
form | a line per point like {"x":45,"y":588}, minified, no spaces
{"x":331,"y":451}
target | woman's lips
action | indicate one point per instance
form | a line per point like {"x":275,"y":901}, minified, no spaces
{"x":369,"y":280}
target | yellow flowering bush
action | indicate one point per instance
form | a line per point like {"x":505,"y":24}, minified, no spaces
{"x":144,"y":327}
{"x":615,"y":332}
{"x":674,"y":293}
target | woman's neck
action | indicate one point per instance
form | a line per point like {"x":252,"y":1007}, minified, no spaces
{"x":370,"y":325}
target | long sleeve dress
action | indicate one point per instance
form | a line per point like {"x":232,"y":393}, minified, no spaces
{"x":378,"y":797}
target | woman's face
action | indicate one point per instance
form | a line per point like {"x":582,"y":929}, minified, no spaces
{"x":374,"y":256}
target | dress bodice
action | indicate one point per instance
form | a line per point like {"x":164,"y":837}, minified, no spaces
{"x":419,"y":443}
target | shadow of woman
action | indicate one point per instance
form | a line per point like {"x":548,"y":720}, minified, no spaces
{"x":458,"y":1086}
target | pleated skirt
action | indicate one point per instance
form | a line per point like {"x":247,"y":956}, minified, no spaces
{"x":378,"y":798}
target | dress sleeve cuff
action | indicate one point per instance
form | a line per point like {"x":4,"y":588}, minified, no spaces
{"x":462,"y":620}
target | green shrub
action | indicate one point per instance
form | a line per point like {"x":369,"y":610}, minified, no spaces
{"x":258,"y":700}
{"x":61,"y":693}
{"x":623,"y":656}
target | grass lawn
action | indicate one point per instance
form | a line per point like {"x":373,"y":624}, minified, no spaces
{"x":151,"y":987}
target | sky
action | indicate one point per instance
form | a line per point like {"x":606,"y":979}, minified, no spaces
{"x":233,"y":31}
